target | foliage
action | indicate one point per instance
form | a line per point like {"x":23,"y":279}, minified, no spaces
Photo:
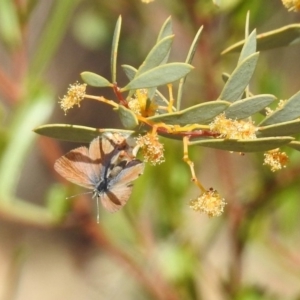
{"x":157,"y":103}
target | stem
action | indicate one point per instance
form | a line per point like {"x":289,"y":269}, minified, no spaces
{"x":191,"y":164}
{"x":102,"y":99}
{"x":185,"y":131}
{"x":119,"y":95}
{"x":171,"y":98}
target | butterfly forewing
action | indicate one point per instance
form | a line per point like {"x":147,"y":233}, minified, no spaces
{"x":101,"y":152}
{"x":75,"y":166}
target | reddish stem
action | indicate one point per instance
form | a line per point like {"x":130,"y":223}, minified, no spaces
{"x":191,"y":134}
{"x":119,"y":95}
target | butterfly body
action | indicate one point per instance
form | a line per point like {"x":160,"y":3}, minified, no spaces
{"x":106,"y":167}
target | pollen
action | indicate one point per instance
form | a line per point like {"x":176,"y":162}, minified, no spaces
{"x":141,"y":105}
{"x":275,"y":159}
{"x":134,"y":105}
{"x":210,"y":203}
{"x":292,"y":5}
{"x":280,"y":105}
{"x":233,"y":129}
{"x":152,"y":149}
{"x":75,"y":94}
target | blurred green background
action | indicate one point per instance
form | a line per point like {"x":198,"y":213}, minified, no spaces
{"x":156,"y":247}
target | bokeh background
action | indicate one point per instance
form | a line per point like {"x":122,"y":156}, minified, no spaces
{"x":156,"y":247}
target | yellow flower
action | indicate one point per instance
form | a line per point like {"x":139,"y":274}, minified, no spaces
{"x":276,"y":159}
{"x":233,"y":129}
{"x":292,"y":5}
{"x":210,"y":203}
{"x":153,"y":150}
{"x":147,"y":1}
{"x":135,"y":106}
{"x":141,"y":105}
{"x":75,"y":94}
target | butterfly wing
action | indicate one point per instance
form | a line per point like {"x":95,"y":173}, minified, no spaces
{"x":120,"y":187}
{"x":75,"y":166}
{"x":86,"y":167}
{"x":103,"y":153}
{"x":113,"y":200}
{"x":123,"y":141}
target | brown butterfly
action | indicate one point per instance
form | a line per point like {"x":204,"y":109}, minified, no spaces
{"x":107,"y":167}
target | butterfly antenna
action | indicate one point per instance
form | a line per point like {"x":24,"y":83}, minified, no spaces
{"x":78,"y":195}
{"x":98,"y":217}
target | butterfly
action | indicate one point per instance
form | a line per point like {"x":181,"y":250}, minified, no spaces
{"x":107,"y":167}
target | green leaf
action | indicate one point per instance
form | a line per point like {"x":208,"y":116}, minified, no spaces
{"x":284,"y":36}
{"x":129,"y":71}
{"x":289,"y":111}
{"x":295,"y":145}
{"x":21,"y":140}
{"x":159,"y":99}
{"x":93,"y":79}
{"x":156,"y":55}
{"x":188,"y":60}
{"x":74,"y":133}
{"x":261,"y":144}
{"x":239,"y":79}
{"x":247,"y":24}
{"x":193,"y":46}
{"x":152,"y":92}
{"x":160,"y":75}
{"x":199,"y":114}
{"x":114,"y":50}
{"x":249,"y":47}
{"x":244,"y":108}
{"x":165,"y":30}
{"x":280,"y":129}
{"x":9,"y":24}
{"x":127,"y":117}
{"x":225,"y":77}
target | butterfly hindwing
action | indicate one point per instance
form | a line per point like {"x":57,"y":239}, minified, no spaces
{"x":120,"y":187}
{"x":114,"y":199}
{"x":133,"y":169}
